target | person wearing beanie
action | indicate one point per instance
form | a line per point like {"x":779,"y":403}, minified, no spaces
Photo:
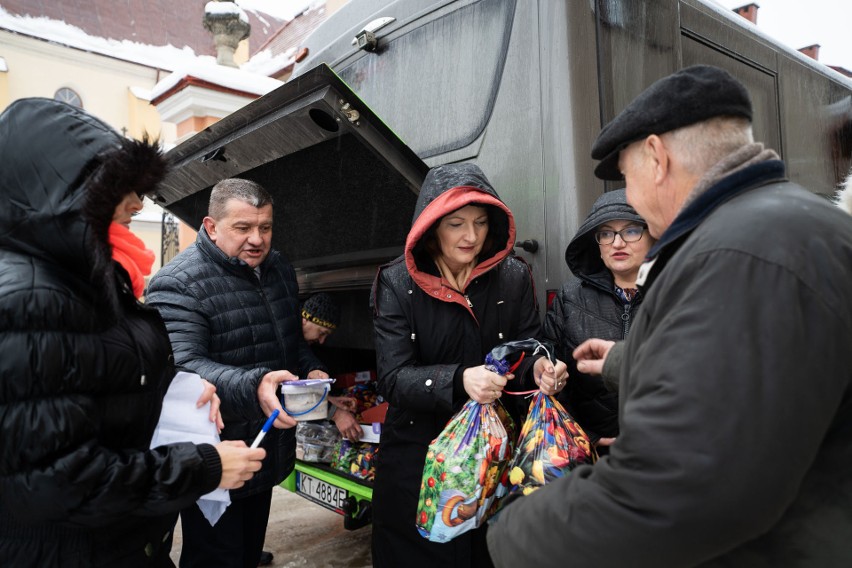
{"x":85,"y":365}
{"x":600,"y":300}
{"x":320,"y":317}
{"x":735,"y":382}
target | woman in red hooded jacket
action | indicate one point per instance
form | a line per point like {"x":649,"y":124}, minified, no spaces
{"x":456,"y":293}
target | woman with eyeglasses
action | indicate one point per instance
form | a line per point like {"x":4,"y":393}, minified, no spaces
{"x":598,"y":301}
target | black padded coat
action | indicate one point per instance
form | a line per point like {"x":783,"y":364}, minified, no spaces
{"x":735,"y":400}
{"x":585,"y":307}
{"x":426,"y":334}
{"x":232,"y":328}
{"x":83,"y":365}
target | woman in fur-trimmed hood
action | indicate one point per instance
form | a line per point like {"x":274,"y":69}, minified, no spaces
{"x":457,"y":292}
{"x":84,"y":365}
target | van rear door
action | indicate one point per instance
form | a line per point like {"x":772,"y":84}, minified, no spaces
{"x":344,"y":185}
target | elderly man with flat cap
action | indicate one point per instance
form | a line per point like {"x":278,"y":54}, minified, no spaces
{"x":736,"y":380}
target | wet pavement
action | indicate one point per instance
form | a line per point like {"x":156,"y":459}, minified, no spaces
{"x":302,"y":534}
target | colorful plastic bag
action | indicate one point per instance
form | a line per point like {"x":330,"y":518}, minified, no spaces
{"x":465,"y":472}
{"x":551,"y":444}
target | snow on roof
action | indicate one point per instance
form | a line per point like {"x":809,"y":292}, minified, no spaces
{"x":225,"y":8}
{"x":264,"y":63}
{"x":140,"y":93}
{"x":286,"y":10}
{"x":206,"y":69}
{"x":166,"y":57}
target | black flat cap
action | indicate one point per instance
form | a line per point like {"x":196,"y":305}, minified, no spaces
{"x":691,"y":95}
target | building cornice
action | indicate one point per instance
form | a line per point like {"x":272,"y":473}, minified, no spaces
{"x":193,"y":97}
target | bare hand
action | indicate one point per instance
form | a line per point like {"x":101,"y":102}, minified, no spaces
{"x":550,"y":377}
{"x":209,"y":395}
{"x":591,"y":354}
{"x":348,"y":426}
{"x":239,"y":463}
{"x":268,"y":398}
{"x":317,"y":374}
{"x":344,"y":403}
{"x":605,"y":442}
{"x":482,"y":385}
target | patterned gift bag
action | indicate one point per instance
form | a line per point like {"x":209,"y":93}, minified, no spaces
{"x":551,"y":444}
{"x":464,"y":474}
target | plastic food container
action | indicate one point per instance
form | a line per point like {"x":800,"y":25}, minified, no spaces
{"x":306,"y":400}
{"x":324,"y":432}
{"x":316,"y":441}
{"x":315,"y":453}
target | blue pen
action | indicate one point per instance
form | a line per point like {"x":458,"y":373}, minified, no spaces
{"x":265,"y":429}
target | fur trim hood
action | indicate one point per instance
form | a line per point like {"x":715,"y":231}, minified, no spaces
{"x":64,"y":172}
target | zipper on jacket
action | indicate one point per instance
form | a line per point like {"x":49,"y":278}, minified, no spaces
{"x":143,"y":378}
{"x":469,"y":303}
{"x":625,"y":320}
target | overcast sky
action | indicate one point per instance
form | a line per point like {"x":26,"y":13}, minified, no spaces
{"x":799,"y":23}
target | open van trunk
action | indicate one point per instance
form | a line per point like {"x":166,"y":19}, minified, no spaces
{"x":344,"y":187}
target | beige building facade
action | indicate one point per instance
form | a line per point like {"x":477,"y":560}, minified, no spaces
{"x":116,"y":85}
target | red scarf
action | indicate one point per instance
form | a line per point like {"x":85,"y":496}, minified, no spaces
{"x":130,"y":252}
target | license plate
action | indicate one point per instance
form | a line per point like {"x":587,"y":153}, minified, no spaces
{"x":321,"y":492}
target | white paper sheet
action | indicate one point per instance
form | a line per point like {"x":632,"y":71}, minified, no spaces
{"x":181,"y":421}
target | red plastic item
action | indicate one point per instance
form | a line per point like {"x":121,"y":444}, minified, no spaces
{"x":375,"y":414}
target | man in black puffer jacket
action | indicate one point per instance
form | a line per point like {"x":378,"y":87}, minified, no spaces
{"x":231,"y":306}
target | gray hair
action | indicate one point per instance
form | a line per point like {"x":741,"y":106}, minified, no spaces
{"x":699,"y":146}
{"x":236,"y":188}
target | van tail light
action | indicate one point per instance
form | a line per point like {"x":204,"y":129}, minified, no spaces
{"x":551,"y":295}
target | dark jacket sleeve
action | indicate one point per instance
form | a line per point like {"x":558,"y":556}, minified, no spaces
{"x":554,"y":328}
{"x":52,"y":466}
{"x":612,"y":366}
{"x":711,"y":452}
{"x":401,"y":379}
{"x":189,"y":332}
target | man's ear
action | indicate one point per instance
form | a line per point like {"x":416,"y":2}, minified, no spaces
{"x":659,"y":156}
{"x":210,"y":226}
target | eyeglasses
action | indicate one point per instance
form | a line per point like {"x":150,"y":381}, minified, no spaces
{"x":629,"y":234}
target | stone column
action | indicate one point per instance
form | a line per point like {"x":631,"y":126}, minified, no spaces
{"x":229,"y":26}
